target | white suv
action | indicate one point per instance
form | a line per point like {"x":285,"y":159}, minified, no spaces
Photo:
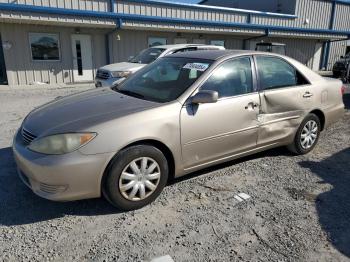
{"x":110,"y":75}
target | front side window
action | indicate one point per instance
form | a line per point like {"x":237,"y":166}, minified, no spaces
{"x":147,"y":56}
{"x":276,"y":73}
{"x":44,"y":47}
{"x":165,"y":79}
{"x":232,"y":78}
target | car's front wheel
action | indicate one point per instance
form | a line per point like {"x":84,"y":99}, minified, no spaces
{"x":307,"y":135}
{"x":136,"y":177}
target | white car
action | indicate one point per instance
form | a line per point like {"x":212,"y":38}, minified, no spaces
{"x":110,"y":75}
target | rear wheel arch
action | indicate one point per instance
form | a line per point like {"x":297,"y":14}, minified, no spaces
{"x":321,"y":117}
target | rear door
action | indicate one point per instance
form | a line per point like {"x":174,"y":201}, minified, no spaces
{"x":286,"y":96}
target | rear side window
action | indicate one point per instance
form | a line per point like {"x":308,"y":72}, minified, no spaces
{"x":232,"y":78}
{"x":276,"y":73}
{"x":188,"y":49}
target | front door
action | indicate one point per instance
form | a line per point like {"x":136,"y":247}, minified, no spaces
{"x":286,"y":96}
{"x":3,"y":75}
{"x":211,"y":132}
{"x":82,"y":58}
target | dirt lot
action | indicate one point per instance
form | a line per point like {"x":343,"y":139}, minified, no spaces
{"x":299,"y":208}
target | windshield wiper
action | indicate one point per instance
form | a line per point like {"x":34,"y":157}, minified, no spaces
{"x":130,"y":93}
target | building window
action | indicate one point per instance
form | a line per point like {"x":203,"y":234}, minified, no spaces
{"x":217,"y":42}
{"x":155,"y":41}
{"x":44,"y":47}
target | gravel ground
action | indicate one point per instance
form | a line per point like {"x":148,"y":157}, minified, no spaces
{"x":299,"y":208}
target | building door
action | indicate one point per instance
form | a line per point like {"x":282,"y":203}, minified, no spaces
{"x":82,"y":58}
{"x":3,"y":76}
{"x":317,"y":57}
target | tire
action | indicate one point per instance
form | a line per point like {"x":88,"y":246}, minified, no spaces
{"x":136,"y":177}
{"x":299,"y":146}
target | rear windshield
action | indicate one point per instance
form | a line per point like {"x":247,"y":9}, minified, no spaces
{"x":147,"y":56}
{"x":165,"y":79}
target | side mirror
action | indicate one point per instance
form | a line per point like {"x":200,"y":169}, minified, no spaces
{"x":205,"y":96}
{"x":341,"y":56}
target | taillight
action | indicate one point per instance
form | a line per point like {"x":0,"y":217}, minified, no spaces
{"x":342,"y":90}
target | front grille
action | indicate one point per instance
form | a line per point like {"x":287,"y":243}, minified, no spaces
{"x":27,"y":136}
{"x":102,"y":74}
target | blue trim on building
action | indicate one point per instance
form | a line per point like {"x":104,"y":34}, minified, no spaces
{"x":108,"y":58}
{"x":213,"y":8}
{"x":249,"y":18}
{"x":120,"y":17}
{"x":327,"y":52}
{"x":327,"y":46}
{"x":343,"y":2}
{"x":111,"y":6}
{"x":332,"y":21}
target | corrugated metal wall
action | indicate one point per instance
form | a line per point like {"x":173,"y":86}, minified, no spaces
{"x":178,"y":12}
{"x":302,"y":50}
{"x":35,"y":18}
{"x":21,"y":70}
{"x":342,"y":17}
{"x":90,"y":5}
{"x":134,"y":41}
{"x":305,"y":9}
{"x":337,"y":49}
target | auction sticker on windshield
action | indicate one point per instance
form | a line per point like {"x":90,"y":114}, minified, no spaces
{"x":196,"y":66}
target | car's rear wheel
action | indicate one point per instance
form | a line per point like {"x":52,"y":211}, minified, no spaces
{"x":307,"y":135}
{"x":136,"y":177}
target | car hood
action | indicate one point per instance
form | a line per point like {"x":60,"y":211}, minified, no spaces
{"x":124,"y":66}
{"x":82,"y":111}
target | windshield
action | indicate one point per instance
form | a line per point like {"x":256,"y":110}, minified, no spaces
{"x":147,"y":56}
{"x":164,"y":80}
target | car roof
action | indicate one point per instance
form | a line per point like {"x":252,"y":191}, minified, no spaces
{"x":179,"y":46}
{"x":215,"y":54}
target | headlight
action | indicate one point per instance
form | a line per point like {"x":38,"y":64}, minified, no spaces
{"x":61,"y":144}
{"x":120,"y":74}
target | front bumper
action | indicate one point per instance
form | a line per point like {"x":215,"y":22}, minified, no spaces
{"x":65,"y":177}
{"x":107,"y":82}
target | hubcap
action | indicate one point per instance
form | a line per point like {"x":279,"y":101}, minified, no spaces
{"x":309,"y":134}
{"x":139,"y":179}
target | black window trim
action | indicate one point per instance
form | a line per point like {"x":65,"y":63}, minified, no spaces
{"x":254,"y":78}
{"x":43,"y":60}
{"x":259,"y":87}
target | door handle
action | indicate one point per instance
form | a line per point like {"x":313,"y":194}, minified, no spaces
{"x":307,"y":94}
{"x":251,"y":105}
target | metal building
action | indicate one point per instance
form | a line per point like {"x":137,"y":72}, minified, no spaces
{"x":65,"y":41}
